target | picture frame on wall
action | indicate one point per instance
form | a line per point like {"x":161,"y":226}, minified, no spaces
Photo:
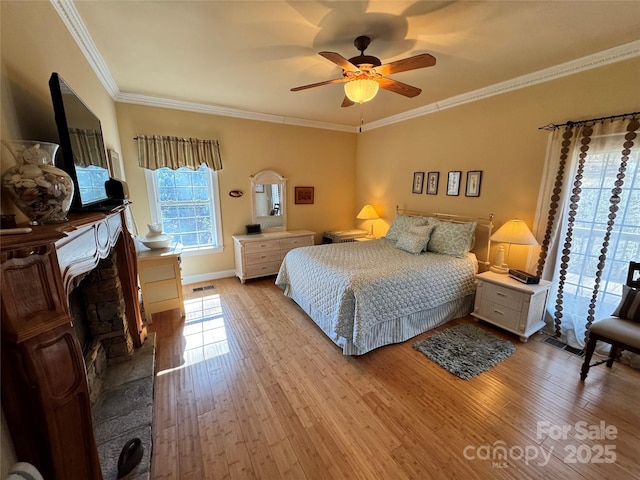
{"x":303,"y":195}
{"x":113,"y":164}
{"x":418,"y":180}
{"x":453,"y":183}
{"x":474,"y":178}
{"x":432,"y":183}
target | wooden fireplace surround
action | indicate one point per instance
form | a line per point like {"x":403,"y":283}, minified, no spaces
{"x":45,"y":395}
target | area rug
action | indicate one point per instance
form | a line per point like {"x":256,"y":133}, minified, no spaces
{"x":465,"y":350}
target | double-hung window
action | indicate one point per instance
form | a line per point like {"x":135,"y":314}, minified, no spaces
{"x":187,"y":203}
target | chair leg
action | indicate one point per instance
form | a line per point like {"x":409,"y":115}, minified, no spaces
{"x":612,"y":355}
{"x":591,"y":346}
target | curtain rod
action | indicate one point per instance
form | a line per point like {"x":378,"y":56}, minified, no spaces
{"x":182,"y":139}
{"x":553,"y":126}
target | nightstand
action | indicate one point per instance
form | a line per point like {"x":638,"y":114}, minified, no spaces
{"x":160,"y":279}
{"x":509,"y":304}
{"x":340,"y":236}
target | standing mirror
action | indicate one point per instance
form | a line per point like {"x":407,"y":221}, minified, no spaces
{"x":268,"y":201}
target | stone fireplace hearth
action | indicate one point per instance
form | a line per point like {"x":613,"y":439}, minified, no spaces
{"x":124,"y":410}
{"x":119,"y":378}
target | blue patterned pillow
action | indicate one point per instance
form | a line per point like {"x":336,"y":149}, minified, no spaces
{"x":452,"y":239}
{"x":412,"y":242}
{"x":401,"y":224}
{"x":423,"y":231}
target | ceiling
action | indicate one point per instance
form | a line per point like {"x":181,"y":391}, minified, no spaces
{"x":243,"y":57}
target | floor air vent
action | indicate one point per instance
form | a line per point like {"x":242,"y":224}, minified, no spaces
{"x":201,"y":289}
{"x":563,"y":346}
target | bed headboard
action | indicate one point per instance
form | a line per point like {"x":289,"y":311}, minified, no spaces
{"x":484,"y":229}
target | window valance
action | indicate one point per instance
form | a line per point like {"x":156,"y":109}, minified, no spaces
{"x":157,"y":151}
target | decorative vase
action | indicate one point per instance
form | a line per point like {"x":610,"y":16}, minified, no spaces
{"x":155,"y":239}
{"x":41,"y":191}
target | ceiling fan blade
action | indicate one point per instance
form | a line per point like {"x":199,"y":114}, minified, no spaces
{"x":319,"y":84}
{"x":339,"y":60}
{"x":399,"y":87}
{"x":419,"y":61}
{"x":346,"y":102}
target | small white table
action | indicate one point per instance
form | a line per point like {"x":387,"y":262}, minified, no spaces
{"x":512,"y":305}
{"x":160,"y":279}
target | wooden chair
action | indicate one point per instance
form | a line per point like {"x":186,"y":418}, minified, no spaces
{"x":620,"y":333}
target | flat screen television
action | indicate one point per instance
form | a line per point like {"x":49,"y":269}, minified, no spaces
{"x":82,"y":147}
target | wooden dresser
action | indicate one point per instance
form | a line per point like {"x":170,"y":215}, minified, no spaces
{"x":261,"y":255}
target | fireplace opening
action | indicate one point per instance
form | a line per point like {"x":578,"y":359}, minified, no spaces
{"x":100,"y":323}
{"x":80,"y":323}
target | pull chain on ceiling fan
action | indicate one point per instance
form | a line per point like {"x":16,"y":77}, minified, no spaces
{"x":363,"y":75}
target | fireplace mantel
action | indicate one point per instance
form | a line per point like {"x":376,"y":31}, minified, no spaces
{"x":44,"y":387}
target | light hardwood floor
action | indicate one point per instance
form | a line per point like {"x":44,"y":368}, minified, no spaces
{"x":248,"y":387}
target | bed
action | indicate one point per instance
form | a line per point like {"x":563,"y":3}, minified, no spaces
{"x":364,"y":295}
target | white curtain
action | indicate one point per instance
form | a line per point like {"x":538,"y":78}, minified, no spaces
{"x":589,"y":222}
{"x":156,"y":151}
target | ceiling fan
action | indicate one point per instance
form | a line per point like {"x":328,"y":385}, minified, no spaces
{"x":364,"y":74}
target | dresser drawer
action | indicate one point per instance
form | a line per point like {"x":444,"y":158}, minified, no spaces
{"x":257,"y":247}
{"x":291,"y":243}
{"x":503,"y":296}
{"x":499,"y":314}
{"x":262,"y":269}
{"x":157,"y":272}
{"x":262,"y":257}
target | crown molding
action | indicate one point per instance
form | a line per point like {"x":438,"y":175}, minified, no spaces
{"x":71,"y":18}
{"x":606,"y":57}
{"x":226,"y":112}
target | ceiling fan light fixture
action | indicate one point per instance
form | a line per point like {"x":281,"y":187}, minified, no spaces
{"x":361,"y":90}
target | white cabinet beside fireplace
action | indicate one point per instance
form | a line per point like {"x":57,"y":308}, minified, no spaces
{"x":262,"y":254}
{"x":510,"y":304}
{"x":160,"y":280}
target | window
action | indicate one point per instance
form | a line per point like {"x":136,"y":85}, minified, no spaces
{"x":590,"y":221}
{"x":590,"y":225}
{"x":91,"y":180}
{"x":187,"y":204}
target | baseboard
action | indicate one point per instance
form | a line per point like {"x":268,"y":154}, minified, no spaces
{"x":205,"y":277}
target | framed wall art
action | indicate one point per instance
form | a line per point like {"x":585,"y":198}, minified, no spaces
{"x":473,"y":183}
{"x":453,"y":183}
{"x":113,"y":164}
{"x":303,"y":195}
{"x":418,"y":180}
{"x":432,"y":183}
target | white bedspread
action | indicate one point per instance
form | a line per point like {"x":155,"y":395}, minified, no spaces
{"x":358,"y":285}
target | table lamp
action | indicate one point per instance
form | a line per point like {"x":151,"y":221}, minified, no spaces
{"x":514,"y":232}
{"x":368,"y":213}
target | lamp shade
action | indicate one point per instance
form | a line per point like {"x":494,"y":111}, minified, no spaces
{"x":368,"y":213}
{"x":361,"y":90}
{"x":515,"y":232}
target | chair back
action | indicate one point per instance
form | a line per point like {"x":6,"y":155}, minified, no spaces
{"x":633,"y":277}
